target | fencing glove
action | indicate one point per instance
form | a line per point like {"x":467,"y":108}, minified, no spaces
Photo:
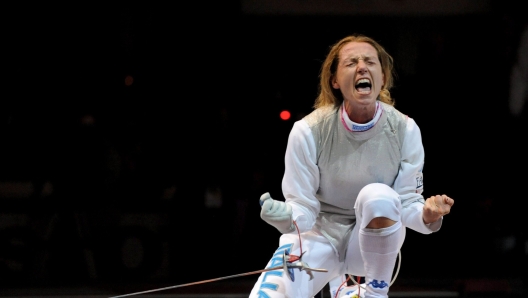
{"x":276,"y":213}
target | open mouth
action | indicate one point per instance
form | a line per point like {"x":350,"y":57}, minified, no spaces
{"x":363,"y":86}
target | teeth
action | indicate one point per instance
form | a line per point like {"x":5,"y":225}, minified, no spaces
{"x":363,"y":81}
{"x":366,"y":84}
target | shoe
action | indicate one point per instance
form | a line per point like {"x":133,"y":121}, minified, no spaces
{"x":352,"y":291}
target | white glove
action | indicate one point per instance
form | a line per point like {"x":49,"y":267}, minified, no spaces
{"x":276,"y":213}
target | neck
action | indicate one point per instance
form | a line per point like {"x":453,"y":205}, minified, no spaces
{"x":361,"y":113}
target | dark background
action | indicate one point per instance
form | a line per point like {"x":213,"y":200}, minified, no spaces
{"x":104,"y":181}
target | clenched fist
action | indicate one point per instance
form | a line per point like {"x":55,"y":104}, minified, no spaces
{"x":435,"y":207}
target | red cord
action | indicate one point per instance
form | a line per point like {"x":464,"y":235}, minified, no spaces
{"x":359,"y":286}
{"x":338,"y":289}
{"x":298,"y":233}
{"x":346,"y":282}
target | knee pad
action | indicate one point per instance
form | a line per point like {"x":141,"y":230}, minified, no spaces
{"x":377,"y":200}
